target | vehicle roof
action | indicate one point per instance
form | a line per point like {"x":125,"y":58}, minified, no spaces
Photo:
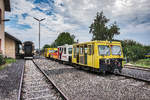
{"x":51,"y":48}
{"x":91,"y":42}
{"x":66,"y":45}
{"x":28,"y":42}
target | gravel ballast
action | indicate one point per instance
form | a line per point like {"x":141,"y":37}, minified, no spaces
{"x":81,"y":85}
{"x":36,"y":86}
{"x":10,"y":79}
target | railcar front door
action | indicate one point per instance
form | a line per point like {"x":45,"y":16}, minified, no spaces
{"x":77,"y":54}
{"x":90,"y":54}
{"x":85,"y":54}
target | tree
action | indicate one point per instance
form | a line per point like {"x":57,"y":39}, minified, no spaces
{"x":99,"y":29}
{"x":53,"y":45}
{"x":46,"y":46}
{"x":64,"y":38}
{"x":147,"y":49}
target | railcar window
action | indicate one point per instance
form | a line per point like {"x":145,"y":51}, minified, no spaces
{"x":85,"y":50}
{"x":104,"y":50}
{"x":74,"y":50}
{"x":116,"y":50}
{"x":92,"y":49}
{"x":70,"y":50}
{"x":55,"y":51}
{"x":52,"y":51}
{"x":81,"y":50}
{"x":89,"y":50}
{"x":77,"y":50}
{"x":64,"y":50}
{"x":59,"y":49}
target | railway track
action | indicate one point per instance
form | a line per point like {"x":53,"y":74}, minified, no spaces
{"x":140,"y":77}
{"x":128,"y":76}
{"x":137,"y":68}
{"x":35,"y":84}
{"x":88,"y":85}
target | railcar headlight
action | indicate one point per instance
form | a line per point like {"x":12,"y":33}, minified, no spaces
{"x":107,"y":61}
{"x":116,"y":62}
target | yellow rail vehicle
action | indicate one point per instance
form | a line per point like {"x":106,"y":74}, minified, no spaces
{"x":47,"y":52}
{"x":51,"y":53}
{"x":105,"y":56}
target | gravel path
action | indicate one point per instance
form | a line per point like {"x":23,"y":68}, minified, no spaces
{"x":9,"y":80}
{"x":36,"y":86}
{"x":80,"y":85}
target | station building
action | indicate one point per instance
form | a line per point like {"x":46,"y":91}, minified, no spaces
{"x":4,"y":6}
{"x":9,"y":45}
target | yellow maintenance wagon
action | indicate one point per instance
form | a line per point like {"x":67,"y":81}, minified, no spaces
{"x":104,"y":56}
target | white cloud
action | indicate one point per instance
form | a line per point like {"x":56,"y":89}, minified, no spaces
{"x":75,"y":16}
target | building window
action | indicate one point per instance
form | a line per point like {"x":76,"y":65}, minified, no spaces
{"x":64,"y":50}
{"x":0,"y":16}
{"x":0,"y":44}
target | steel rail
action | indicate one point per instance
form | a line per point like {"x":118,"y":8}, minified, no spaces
{"x":20,"y":85}
{"x":128,"y":76}
{"x":137,"y":68}
{"x":56,"y":88}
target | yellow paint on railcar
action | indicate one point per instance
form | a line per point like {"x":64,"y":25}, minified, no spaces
{"x":55,"y":53}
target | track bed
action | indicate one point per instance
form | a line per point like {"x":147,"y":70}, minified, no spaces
{"x":82,"y":85}
{"x":36,"y":86}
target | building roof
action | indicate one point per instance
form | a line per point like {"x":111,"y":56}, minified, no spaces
{"x":7,"y":5}
{"x":13,"y":38}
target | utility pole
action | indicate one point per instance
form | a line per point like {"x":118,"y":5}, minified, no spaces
{"x":39,"y":20}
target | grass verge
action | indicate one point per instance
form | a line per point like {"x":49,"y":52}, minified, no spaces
{"x":142,"y":63}
{"x":8,"y":61}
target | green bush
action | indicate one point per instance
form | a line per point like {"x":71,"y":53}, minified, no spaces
{"x":2,"y":60}
{"x":133,"y":50}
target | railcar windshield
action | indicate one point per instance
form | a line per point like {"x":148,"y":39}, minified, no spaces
{"x":55,"y":51}
{"x":49,"y":51}
{"x":70,"y":50}
{"x":104,"y":50}
{"x":116,"y":50}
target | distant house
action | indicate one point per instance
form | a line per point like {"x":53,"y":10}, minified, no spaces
{"x":4,"y":6}
{"x":11,"y":46}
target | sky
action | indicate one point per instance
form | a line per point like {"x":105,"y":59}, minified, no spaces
{"x":75,"y":16}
